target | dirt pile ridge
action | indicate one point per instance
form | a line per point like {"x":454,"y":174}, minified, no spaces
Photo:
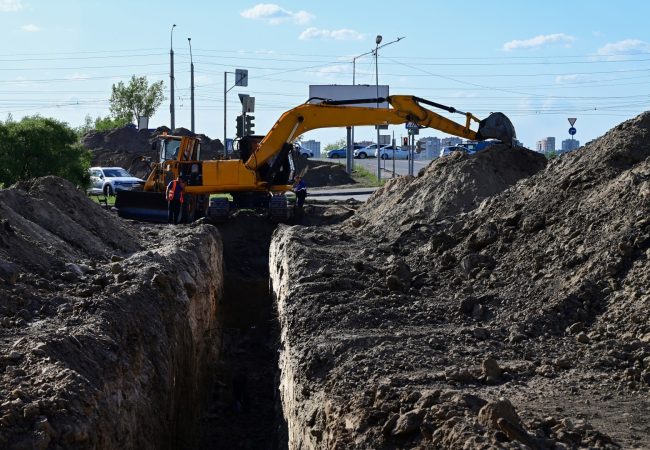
{"x":322,"y":173}
{"x":107,"y":331}
{"x":538,"y":295}
{"x":122,"y":147}
{"x":448,"y":186}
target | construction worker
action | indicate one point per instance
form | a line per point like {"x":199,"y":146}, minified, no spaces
{"x":174,"y":194}
{"x":300,"y":189}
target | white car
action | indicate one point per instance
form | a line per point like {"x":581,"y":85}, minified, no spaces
{"x":390,"y":153}
{"x":366,"y":152}
{"x":109,"y":180}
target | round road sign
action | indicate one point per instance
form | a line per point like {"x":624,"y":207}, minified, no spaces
{"x":572,"y":131}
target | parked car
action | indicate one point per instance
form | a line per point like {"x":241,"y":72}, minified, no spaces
{"x":343,"y":151}
{"x":475,"y":147}
{"x":337,"y":153}
{"x":304,"y":152}
{"x":390,"y":153}
{"x":444,"y":151}
{"x":109,"y":180}
{"x":366,"y":152}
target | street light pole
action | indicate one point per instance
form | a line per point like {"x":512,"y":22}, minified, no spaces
{"x":171,"y":78}
{"x":377,"y":42}
{"x":189,"y":41}
{"x":349,"y":160}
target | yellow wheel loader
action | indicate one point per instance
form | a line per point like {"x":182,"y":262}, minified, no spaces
{"x":262,"y":174}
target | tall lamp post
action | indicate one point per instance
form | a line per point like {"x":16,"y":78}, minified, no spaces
{"x":171,"y":77}
{"x":377,"y":42}
{"x":189,"y":41}
{"x":349,"y":160}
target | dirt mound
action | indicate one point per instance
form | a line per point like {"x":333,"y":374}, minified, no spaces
{"x":107,"y":332}
{"x":123,"y":146}
{"x":448,"y":186}
{"x":322,"y":173}
{"x":49,"y":224}
{"x":538,"y":294}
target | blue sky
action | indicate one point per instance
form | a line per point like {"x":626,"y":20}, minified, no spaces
{"x":538,"y":62}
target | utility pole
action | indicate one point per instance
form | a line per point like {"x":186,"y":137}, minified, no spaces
{"x":171,"y":78}
{"x":189,"y":41}
{"x":377,"y":42}
{"x":376,"y":52}
{"x":350,"y":130}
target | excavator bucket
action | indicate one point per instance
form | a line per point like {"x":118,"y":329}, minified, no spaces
{"x":139,"y":205}
{"x":496,"y":126}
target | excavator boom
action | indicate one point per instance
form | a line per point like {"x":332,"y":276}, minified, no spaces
{"x":265,"y":169}
{"x":403,"y":109}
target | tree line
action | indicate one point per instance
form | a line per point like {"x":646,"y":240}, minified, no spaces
{"x":38,"y":146}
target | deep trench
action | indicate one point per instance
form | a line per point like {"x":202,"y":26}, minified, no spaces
{"x":244,"y":410}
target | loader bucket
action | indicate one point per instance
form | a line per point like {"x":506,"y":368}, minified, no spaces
{"x":496,"y":126}
{"x":139,"y":205}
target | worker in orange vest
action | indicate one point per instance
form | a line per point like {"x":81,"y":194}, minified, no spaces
{"x":174,"y":194}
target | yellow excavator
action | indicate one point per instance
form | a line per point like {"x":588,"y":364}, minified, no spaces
{"x":261,"y":175}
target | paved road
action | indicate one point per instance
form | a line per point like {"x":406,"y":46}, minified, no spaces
{"x":401,"y":166}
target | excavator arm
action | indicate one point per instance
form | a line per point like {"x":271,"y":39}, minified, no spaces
{"x":403,"y":109}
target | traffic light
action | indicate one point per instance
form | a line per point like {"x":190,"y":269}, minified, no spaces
{"x":405,"y":141}
{"x":248,"y":126}
{"x":240,"y":126}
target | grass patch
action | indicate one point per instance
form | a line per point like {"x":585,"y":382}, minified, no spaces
{"x":110,"y":200}
{"x":365,"y":177}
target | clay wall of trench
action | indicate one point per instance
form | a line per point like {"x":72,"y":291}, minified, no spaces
{"x":135,"y":372}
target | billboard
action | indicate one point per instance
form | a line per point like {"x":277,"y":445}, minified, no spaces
{"x":320,"y":92}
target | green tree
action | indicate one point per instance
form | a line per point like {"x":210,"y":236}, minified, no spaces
{"x":38,"y":146}
{"x":338,"y":144}
{"x":136,"y":99}
{"x":108,"y":123}
{"x":552,"y":154}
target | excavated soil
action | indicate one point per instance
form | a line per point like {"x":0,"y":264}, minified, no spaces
{"x":493,"y":301}
{"x":107,"y":331}
{"x":490,"y":302}
{"x":124,"y":146}
{"x":322,"y":173}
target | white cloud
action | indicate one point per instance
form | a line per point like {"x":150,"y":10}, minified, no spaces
{"x":78,"y":76}
{"x":275,"y":14}
{"x":11,"y":5}
{"x":31,"y":28}
{"x":339,"y":68}
{"x":572,"y":78}
{"x":539,"y":41}
{"x":625,"y":47}
{"x":343,"y":34}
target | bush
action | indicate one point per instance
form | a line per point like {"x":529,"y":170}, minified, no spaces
{"x":38,"y":146}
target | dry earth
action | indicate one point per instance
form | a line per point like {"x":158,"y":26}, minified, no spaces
{"x":107,"y":331}
{"x":493,"y":301}
{"x":448,"y":315}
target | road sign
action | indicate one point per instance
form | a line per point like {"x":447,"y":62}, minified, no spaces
{"x":414,"y":131}
{"x":572,"y":131}
{"x":411,"y":126}
{"x":572,"y":121}
{"x":241,"y":77}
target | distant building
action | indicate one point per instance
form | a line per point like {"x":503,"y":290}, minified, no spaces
{"x":429,"y":147}
{"x":450,"y":141}
{"x":570,"y":144}
{"x":314,"y":146}
{"x":546,"y":145}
